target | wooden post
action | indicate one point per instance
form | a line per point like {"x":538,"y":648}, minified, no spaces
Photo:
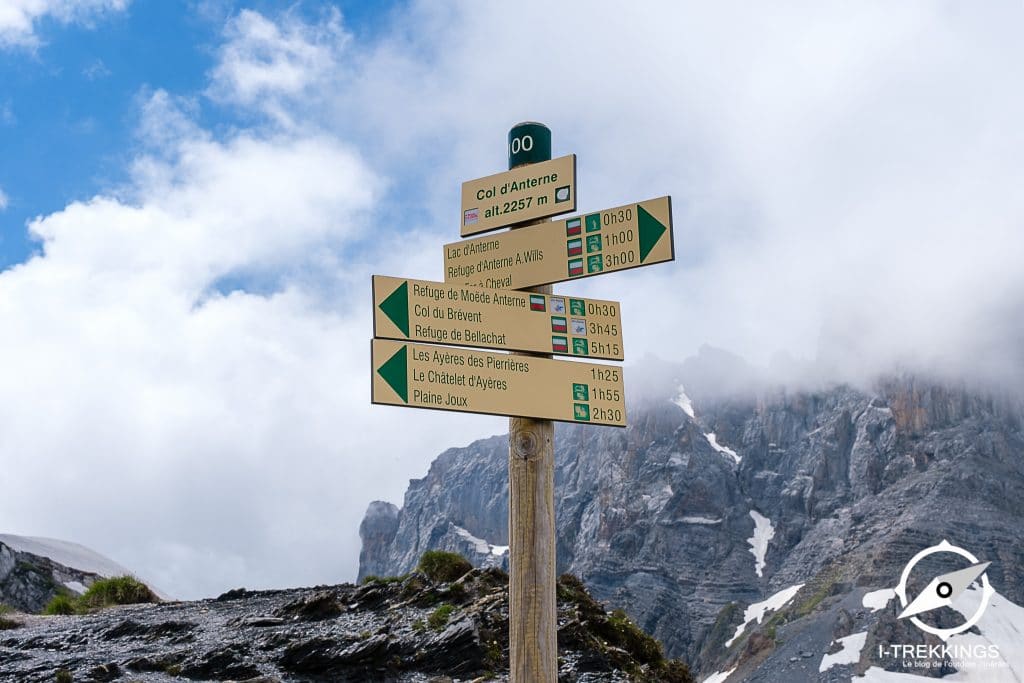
{"x":532,"y":607}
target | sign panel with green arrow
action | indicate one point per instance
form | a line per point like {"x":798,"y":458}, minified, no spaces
{"x":464,"y":380}
{"x":605,"y":241}
{"x":463,"y":315}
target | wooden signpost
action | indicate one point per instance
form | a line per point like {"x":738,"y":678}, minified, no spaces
{"x":605,"y":241}
{"x":451,"y":378}
{"x":441,"y":313}
{"x":478,"y":305}
{"x":522,"y":194}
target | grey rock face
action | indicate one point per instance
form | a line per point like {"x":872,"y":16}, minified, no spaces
{"x":29,"y":581}
{"x":657,"y":518}
{"x":377,"y":531}
{"x":469,"y":518}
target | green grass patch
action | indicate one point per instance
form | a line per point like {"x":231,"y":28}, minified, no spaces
{"x":624,"y":643}
{"x":809,"y":605}
{"x":440,"y":565}
{"x":5,"y":623}
{"x":119,"y":590}
{"x":61,"y":604}
{"x":439,"y":617}
{"x":643,"y":647}
{"x":724,"y":626}
{"x":371,"y":578}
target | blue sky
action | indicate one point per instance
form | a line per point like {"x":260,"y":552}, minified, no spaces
{"x":69,"y":105}
{"x":209,"y":186}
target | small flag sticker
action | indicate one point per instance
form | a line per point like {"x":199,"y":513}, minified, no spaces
{"x":562,"y":194}
{"x":574,"y":247}
{"x":579,"y":347}
{"x":594,"y":264}
{"x":580,"y":392}
{"x":576,"y":267}
{"x":471,"y":216}
{"x":558,"y":305}
{"x":573,"y":226}
{"x":577,"y":307}
{"x":558,"y":324}
{"x":579,"y":327}
{"x":593,"y":222}
{"x":593,"y":243}
{"x":536,"y":302}
{"x":581,"y":412}
{"x":560,"y":344}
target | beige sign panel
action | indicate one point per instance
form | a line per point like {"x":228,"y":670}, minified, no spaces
{"x":450,"y":378}
{"x":436,"y":312}
{"x":523,"y":194}
{"x":602,"y":242}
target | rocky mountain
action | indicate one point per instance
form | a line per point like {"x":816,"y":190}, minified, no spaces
{"x":33,"y":570}
{"x":749,"y":527}
{"x":415,"y":629}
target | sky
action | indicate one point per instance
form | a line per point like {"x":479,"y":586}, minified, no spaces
{"x":193,"y":197}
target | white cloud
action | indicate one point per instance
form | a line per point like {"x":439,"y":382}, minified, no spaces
{"x":266,"y":64}
{"x":201,"y":437}
{"x":19,"y":18}
{"x":3,"y":200}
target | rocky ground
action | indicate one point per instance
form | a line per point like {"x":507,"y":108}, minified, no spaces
{"x":406,"y":629}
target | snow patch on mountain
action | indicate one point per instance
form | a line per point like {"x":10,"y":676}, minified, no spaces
{"x":764,"y":531}
{"x":876,"y":600}
{"x":701,"y":520}
{"x":710,"y":436}
{"x":757,"y":611}
{"x":719,"y":676}
{"x":683,"y":401}
{"x":479,"y":544}
{"x":850,"y":654}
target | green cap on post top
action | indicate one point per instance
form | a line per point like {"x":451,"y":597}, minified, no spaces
{"x":528,"y":143}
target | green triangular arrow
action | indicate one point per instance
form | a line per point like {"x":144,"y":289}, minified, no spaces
{"x":396,"y":373}
{"x":651,"y":231}
{"x":396,"y":307}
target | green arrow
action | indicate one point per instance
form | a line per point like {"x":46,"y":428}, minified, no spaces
{"x":396,"y":306}
{"x":651,"y":231}
{"x":396,"y":373}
